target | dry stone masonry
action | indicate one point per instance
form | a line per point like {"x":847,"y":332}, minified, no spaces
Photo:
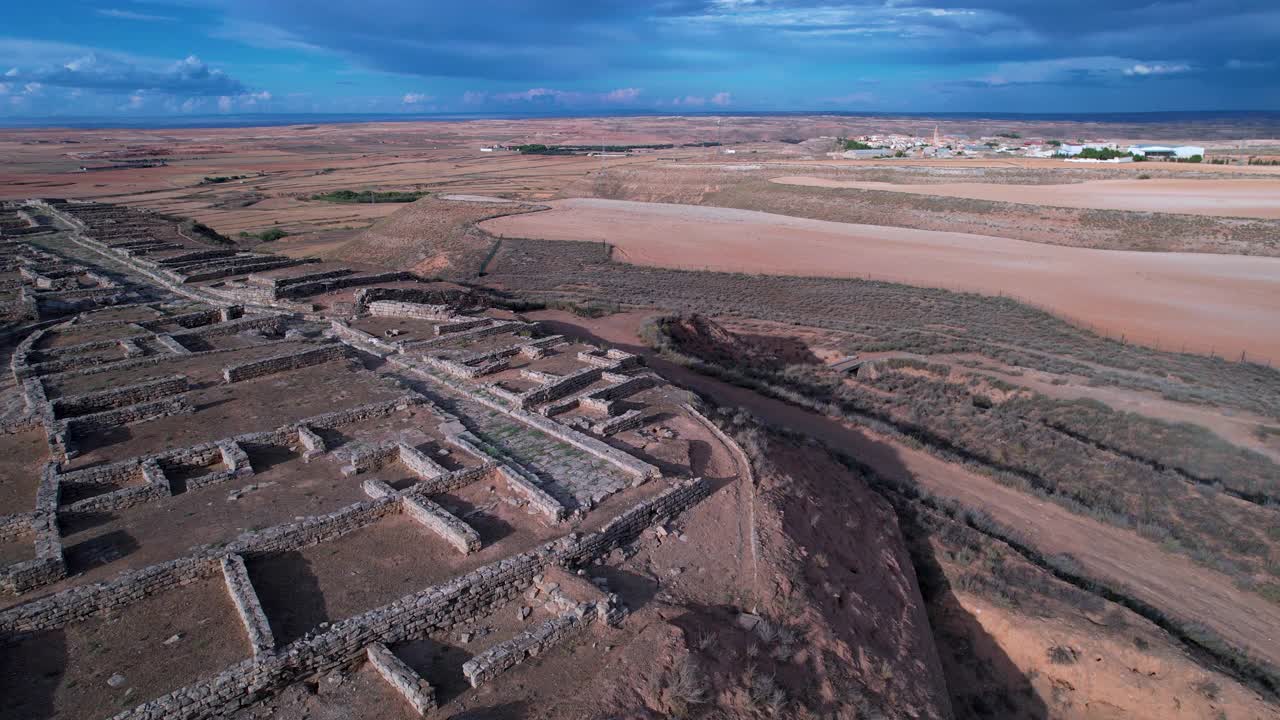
{"x":284,"y":362}
{"x":97,"y":351}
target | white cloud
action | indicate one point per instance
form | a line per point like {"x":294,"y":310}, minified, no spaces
{"x":117,"y":74}
{"x":721,"y":98}
{"x":554,"y":95}
{"x":130,"y":15}
{"x":416,"y":98}
{"x":622,"y":95}
{"x":224,"y":104}
{"x":1157,"y":69}
{"x":1072,"y":69}
{"x":1234,"y":64}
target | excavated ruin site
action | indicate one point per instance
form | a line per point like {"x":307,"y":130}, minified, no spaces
{"x":232,"y":473}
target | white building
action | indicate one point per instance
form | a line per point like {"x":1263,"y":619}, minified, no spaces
{"x":1178,"y":151}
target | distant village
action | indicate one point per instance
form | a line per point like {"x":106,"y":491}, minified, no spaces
{"x":945,"y":146}
{"x":936,"y":146}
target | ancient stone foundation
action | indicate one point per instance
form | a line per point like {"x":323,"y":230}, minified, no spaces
{"x":415,"y":691}
{"x":88,"y":403}
{"x":284,"y":363}
{"x":443,"y":524}
{"x":247,"y":605}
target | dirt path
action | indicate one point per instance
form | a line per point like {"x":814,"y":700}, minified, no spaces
{"x":1232,"y":198}
{"x":1121,"y":558}
{"x":1203,"y":302}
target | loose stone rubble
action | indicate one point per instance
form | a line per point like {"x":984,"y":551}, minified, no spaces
{"x":409,"y":400}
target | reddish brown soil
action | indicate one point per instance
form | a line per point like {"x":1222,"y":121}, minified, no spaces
{"x":65,"y":672}
{"x":225,"y":410}
{"x":101,"y":545}
{"x":1148,"y":297}
{"x":22,"y":457}
{"x":1236,"y":198}
{"x":1173,"y":583}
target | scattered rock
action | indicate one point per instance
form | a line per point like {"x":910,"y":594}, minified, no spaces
{"x":173,"y":639}
{"x":524,"y":612}
{"x":116,"y":680}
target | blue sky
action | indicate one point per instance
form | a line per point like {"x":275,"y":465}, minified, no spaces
{"x":205,"y":57}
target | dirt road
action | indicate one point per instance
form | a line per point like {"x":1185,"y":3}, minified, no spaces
{"x":1234,"y":198}
{"x":1121,"y":558}
{"x":1198,"y":301}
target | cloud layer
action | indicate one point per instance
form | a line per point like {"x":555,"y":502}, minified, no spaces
{"x":385,"y":55}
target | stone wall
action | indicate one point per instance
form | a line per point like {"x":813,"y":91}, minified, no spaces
{"x":173,"y":346}
{"x":237,"y":267}
{"x":505,"y":655}
{"x":93,"y":402}
{"x":264,"y":323}
{"x":274,"y":284}
{"x":434,"y":609}
{"x":284,"y":362}
{"x":419,"y":464}
{"x":371,"y":343}
{"x":495,"y":327}
{"x":323,"y":286}
{"x":458,"y":326}
{"x":248,"y":607}
{"x":86,"y":601}
{"x":536,"y":498}
{"x":154,"y":486}
{"x":628,"y":420}
{"x":415,"y":690}
{"x":443,"y":524}
{"x":453,"y":297}
{"x":417,"y":311}
{"x":140,"y":412}
{"x":560,"y":387}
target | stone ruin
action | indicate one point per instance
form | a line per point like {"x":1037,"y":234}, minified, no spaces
{"x":460,"y":416}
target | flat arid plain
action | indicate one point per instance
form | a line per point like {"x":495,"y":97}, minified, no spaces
{"x":711,"y":419}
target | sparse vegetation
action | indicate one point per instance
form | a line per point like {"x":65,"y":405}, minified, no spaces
{"x":269,"y":235}
{"x":1062,"y":655}
{"x":219,"y":179}
{"x":1080,"y":455}
{"x":683,"y":687}
{"x":1102,"y":154}
{"x":369,"y":196}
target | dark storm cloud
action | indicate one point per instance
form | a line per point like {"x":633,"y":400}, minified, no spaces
{"x":563,"y":40}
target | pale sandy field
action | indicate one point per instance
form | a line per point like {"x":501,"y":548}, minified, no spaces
{"x":1235,"y":198}
{"x":1221,"y":303}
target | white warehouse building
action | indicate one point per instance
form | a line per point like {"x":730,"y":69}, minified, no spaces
{"x":1179,"y":151}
